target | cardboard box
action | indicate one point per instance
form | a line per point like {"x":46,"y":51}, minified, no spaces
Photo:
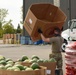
{"x":3,"y":72}
{"x":41,"y":71}
{"x":51,"y":66}
{"x":44,"y":16}
{"x":26,"y":63}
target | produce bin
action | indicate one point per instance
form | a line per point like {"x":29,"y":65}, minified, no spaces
{"x":41,"y":71}
{"x":44,"y":16}
{"x":51,"y":66}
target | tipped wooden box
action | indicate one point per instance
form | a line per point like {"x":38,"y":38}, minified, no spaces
{"x":44,"y":16}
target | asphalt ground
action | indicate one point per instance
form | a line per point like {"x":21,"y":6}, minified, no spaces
{"x":17,"y":51}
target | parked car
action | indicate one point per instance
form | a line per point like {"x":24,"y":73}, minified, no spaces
{"x":70,"y":33}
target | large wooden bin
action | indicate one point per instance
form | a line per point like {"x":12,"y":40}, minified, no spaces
{"x":41,"y":71}
{"x":51,"y":66}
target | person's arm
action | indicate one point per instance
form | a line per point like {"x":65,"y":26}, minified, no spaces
{"x":33,"y":39}
{"x":43,"y":37}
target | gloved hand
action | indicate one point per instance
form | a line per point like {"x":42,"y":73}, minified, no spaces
{"x":39,"y":31}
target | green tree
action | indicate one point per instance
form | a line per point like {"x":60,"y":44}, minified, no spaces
{"x":21,"y":22}
{"x":18,"y":29}
{"x":8,"y":28}
{"x":0,"y":25}
{"x":1,"y":32}
{"x":3,"y":14}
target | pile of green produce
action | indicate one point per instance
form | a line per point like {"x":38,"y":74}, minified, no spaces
{"x":19,"y":67}
{"x":35,"y":58}
{"x":9,"y":64}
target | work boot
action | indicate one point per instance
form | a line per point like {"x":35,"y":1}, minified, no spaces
{"x":57,"y":72}
{"x":61,"y":72}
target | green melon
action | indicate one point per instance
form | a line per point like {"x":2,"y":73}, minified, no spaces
{"x":52,"y":60}
{"x":24,"y":58}
{"x":8,"y":59}
{"x":27,"y":60}
{"x":18,"y":62}
{"x":28,"y":69}
{"x":2,"y":57}
{"x":35,"y":66}
{"x":3,"y":62}
{"x":25,"y":67}
{"x":46,"y":60}
{"x":10,"y":68}
{"x":40,"y":60}
{"x":8,"y":65}
{"x":10,"y":62}
{"x":33,"y":60}
{"x":21,"y":67}
{"x":2,"y":67}
{"x":15,"y":68}
{"x":35,"y":56}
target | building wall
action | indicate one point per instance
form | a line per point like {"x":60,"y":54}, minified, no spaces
{"x":69,"y":8}
{"x":29,"y":2}
{"x":73,"y":10}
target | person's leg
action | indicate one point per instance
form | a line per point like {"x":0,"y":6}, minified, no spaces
{"x":58,"y":58}
{"x":57,"y":72}
{"x":59,"y":65}
{"x":54,"y":56}
{"x":61,"y":71}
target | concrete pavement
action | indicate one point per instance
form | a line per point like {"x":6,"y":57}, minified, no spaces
{"x":9,"y":45}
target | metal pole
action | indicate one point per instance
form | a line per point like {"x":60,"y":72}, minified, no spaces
{"x":69,"y":17}
{"x":23,"y":10}
{"x":69,"y":9}
{"x":23,"y":16}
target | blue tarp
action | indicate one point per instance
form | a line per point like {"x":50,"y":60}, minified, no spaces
{"x":38,"y":42}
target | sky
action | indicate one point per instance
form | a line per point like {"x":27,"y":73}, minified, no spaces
{"x":14,"y":10}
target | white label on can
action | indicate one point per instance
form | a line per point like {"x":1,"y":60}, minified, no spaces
{"x":30,"y":21}
{"x":48,"y":71}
